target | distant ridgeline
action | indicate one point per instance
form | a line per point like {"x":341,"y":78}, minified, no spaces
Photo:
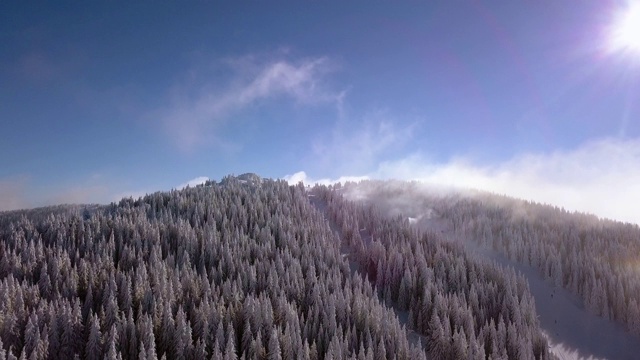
{"x":250,"y":268}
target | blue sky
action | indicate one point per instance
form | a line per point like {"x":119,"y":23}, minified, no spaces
{"x":100,"y":100}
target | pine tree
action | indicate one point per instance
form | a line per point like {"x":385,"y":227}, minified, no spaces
{"x":459,"y":345}
{"x":438,"y":340}
{"x":111,"y":345}
{"x":200,"y":351}
{"x":31,"y":335}
{"x":274,"y":346}
{"x":93,"y":349}
{"x":183,"y":340}
{"x":230,"y":348}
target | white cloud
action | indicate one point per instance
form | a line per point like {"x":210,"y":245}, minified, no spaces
{"x":194,"y":115}
{"x":300,"y":81}
{"x":193,"y":182}
{"x":600,"y":177}
{"x":301,"y":176}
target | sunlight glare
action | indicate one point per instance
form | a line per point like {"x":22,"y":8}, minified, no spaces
{"x":626,"y":32}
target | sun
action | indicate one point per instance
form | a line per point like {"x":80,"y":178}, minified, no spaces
{"x":626,"y":29}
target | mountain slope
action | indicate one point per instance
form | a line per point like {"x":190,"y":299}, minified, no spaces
{"x":246,"y":269}
{"x":594,"y":260}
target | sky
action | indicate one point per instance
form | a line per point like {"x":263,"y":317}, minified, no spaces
{"x":534,"y":99}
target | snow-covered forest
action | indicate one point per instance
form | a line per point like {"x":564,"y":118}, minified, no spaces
{"x":596,"y":260}
{"x":250,"y":268}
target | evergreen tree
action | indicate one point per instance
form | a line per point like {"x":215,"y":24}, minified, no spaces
{"x":93,"y":349}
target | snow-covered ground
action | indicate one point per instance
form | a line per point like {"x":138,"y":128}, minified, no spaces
{"x":572,"y":331}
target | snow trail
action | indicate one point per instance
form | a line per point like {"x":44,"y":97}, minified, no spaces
{"x":572,"y":331}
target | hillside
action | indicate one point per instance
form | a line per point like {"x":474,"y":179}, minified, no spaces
{"x":253,"y":270}
{"x":582,"y":270}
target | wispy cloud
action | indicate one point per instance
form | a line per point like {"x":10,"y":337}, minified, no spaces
{"x":354,"y":147}
{"x":357,"y":145}
{"x":600,"y":177}
{"x":195,"y":112}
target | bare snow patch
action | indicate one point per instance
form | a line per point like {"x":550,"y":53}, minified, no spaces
{"x":572,"y":331}
{"x":564,"y":352}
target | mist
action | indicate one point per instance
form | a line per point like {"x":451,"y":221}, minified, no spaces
{"x":599,"y":177}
